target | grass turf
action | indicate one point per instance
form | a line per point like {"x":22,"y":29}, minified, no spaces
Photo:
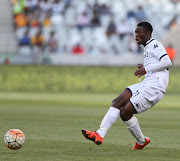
{"x":52,"y":124}
{"x":44,"y":79}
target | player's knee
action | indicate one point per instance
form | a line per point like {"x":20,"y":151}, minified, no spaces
{"x":124,"y":115}
{"x":113,"y":102}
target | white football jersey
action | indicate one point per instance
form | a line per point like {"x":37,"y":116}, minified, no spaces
{"x":153,"y":53}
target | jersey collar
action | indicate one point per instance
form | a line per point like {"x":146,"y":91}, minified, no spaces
{"x":149,"y":41}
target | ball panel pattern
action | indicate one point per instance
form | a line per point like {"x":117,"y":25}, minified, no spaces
{"x":14,"y":139}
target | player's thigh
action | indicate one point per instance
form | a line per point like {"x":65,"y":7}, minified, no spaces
{"x":143,"y":100}
{"x":138,"y":99}
{"x":122,"y":99}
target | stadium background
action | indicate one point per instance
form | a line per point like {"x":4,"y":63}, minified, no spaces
{"x":52,"y":93}
{"x":71,"y":27}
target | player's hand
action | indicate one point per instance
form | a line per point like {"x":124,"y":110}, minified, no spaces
{"x":141,"y":71}
{"x":140,"y":66}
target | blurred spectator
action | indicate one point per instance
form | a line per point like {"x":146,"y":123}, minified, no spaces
{"x":65,"y":50}
{"x":18,"y":6}
{"x":105,"y":9}
{"x":140,"y":14}
{"x":95,"y":20}
{"x":92,"y":51}
{"x":52,"y":43}
{"x":131,"y":19}
{"x":111,"y":29}
{"x":83,"y":21}
{"x":47,"y":20}
{"x":130,"y":14}
{"x":114,"y":50}
{"x":175,"y":1}
{"x":31,"y":5}
{"x":7,"y":61}
{"x":173,"y":23}
{"x":58,"y":7}
{"x":101,"y":9}
{"x":27,"y":6}
{"x":34,"y":19}
{"x":45,"y":6}
{"x":25,"y":40}
{"x":171,"y":52}
{"x":20,"y":20}
{"x":13,"y":2}
{"x":38,"y":40}
{"x":58,"y":14}
{"x":123,"y":29}
{"x":67,"y":3}
{"x":97,"y":8}
{"x":77,"y":49}
{"x":85,"y":7}
{"x":133,"y":46}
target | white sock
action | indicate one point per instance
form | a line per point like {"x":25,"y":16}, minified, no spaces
{"x":110,"y":117}
{"x":135,"y":130}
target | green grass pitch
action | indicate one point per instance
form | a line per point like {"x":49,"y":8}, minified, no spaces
{"x":52,"y":124}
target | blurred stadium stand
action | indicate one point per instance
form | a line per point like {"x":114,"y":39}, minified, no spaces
{"x":99,"y":46}
{"x":172,"y":37}
{"x":8,"y":41}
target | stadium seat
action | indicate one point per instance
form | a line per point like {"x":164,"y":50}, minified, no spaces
{"x":65,"y":24}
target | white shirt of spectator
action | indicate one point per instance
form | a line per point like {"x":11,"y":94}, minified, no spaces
{"x":83,"y":20}
{"x":58,"y":8}
{"x":123,"y":28}
{"x":45,"y":6}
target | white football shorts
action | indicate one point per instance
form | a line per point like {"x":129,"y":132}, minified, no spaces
{"x":143,"y":98}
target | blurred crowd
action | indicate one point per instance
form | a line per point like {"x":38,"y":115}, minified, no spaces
{"x":78,"y":27}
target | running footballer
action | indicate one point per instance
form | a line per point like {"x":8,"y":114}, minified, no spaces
{"x":139,"y":97}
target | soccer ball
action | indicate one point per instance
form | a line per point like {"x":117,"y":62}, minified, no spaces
{"x":14,"y":139}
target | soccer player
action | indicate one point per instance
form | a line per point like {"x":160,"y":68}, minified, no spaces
{"x":139,"y":97}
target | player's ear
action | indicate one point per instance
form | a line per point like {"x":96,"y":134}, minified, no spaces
{"x":148,"y":33}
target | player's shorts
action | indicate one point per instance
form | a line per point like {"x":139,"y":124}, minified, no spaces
{"x":143,"y":98}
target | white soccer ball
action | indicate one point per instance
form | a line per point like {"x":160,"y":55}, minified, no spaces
{"x":14,"y":139}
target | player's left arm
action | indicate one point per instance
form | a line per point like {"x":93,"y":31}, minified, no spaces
{"x":164,"y":63}
{"x":163,"y":59}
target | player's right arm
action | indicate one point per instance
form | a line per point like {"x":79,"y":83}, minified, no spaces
{"x":141,"y":71}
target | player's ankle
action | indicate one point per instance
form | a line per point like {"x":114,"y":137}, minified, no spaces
{"x":102,"y":131}
{"x":141,"y":140}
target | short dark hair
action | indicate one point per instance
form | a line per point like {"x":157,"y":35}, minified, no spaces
{"x":147,"y":26}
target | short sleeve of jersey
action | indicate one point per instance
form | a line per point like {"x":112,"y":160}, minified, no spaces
{"x":158,"y":50}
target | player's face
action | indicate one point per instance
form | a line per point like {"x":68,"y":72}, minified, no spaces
{"x":141,"y":35}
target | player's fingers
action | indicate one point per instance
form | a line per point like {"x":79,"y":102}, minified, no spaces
{"x":139,"y":65}
{"x":136,"y":73}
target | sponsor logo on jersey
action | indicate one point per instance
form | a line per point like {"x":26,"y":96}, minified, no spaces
{"x":155,"y":46}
